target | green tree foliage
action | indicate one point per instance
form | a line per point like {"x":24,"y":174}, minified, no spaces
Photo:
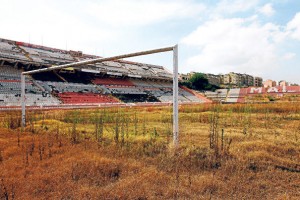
{"x":199,"y":82}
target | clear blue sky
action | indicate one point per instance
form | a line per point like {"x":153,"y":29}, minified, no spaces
{"x":257,"y":37}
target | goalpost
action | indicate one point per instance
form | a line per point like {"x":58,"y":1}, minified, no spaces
{"x":114,"y":58}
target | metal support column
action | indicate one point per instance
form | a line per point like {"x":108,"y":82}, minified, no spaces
{"x":23,"y":98}
{"x":175,"y":96}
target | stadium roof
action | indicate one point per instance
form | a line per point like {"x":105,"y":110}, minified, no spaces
{"x":31,"y":57}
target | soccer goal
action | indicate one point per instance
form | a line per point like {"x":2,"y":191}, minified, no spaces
{"x":114,"y":58}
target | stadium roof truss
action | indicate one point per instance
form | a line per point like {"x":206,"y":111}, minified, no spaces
{"x":114,"y":58}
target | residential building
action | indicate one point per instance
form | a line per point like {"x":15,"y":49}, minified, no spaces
{"x":236,"y":79}
{"x":283,"y":83}
{"x":269,"y":83}
{"x":258,"y":82}
{"x":226,"y":79}
{"x":231,"y":79}
{"x":248,"y":80}
{"x":184,"y":77}
{"x":213,"y":79}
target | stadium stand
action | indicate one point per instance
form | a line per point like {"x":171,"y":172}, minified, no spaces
{"x":47,"y":76}
{"x":10,"y":90}
{"x":219,"y":95}
{"x":134,"y":98}
{"x":253,"y":94}
{"x":104,"y":82}
{"x":156,"y":90}
{"x":233,"y":95}
{"x":11,"y":51}
{"x":195,"y":95}
{"x":85,"y":98}
{"x":60,"y":87}
{"x":112,"y":81}
{"x":31,"y":100}
{"x":125,"y":90}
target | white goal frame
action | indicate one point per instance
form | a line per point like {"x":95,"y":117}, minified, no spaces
{"x":114,"y":58}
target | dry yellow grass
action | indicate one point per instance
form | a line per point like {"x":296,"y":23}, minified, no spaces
{"x":59,"y":155}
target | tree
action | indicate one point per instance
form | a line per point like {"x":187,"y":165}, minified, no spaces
{"x":199,"y":82}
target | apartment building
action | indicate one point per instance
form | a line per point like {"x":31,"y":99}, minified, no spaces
{"x":248,"y":80}
{"x":269,"y":83}
{"x":231,"y":79}
{"x":237,"y":80}
{"x":258,"y":81}
{"x":283,"y":83}
{"x":213,"y":79}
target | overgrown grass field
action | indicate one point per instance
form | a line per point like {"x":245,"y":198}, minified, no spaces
{"x":246,"y":151}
